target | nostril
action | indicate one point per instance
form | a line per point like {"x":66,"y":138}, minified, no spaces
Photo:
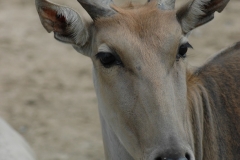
{"x":187,"y":156}
{"x":182,"y":159}
{"x":174,"y":156}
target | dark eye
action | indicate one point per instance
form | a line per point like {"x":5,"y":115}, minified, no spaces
{"x":108,"y":59}
{"x":183,"y":50}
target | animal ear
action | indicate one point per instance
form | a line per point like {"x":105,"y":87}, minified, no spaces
{"x":198,"y":12}
{"x":66,"y":24}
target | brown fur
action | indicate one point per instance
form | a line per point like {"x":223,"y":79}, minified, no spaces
{"x":214,"y":97}
{"x":139,"y":20}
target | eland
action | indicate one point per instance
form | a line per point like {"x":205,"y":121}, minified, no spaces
{"x":151,"y":106}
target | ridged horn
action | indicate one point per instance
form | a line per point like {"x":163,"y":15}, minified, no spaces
{"x":98,"y":8}
{"x":165,"y":4}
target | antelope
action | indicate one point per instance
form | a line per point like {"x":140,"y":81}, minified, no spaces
{"x":151,"y":106}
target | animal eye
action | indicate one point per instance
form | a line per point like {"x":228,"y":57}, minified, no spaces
{"x":183,"y":50}
{"x":108,"y":59}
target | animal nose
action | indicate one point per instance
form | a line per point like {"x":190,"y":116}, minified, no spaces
{"x":173,"y":156}
{"x":159,"y":158}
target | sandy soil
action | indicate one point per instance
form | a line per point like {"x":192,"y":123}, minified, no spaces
{"x":46,"y":89}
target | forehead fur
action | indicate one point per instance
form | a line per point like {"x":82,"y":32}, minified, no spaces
{"x":144,"y":21}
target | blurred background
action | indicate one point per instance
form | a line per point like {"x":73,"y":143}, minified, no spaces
{"x":46,"y":88}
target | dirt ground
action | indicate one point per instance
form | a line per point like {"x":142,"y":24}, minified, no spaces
{"x":46,"y":88}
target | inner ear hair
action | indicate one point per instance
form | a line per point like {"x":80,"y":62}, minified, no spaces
{"x":67,"y":25}
{"x":198,"y":12}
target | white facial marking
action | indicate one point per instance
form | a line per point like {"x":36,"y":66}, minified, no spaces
{"x":183,"y":40}
{"x":104,"y":48}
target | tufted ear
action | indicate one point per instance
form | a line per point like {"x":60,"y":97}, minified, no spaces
{"x":198,"y":12}
{"x":66,"y":24}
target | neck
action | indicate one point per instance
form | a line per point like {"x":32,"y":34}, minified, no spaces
{"x":211,"y":123}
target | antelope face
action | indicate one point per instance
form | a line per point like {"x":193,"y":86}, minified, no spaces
{"x":139,"y":71}
{"x":140,"y":80}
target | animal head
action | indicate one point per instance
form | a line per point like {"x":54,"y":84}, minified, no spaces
{"x":138,"y":54}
